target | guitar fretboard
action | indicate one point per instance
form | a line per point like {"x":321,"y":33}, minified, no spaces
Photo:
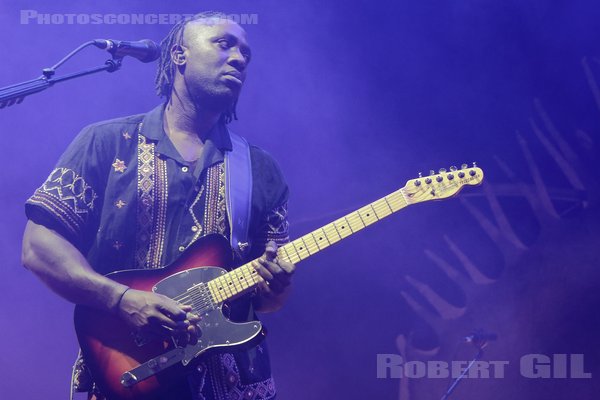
{"x":339,"y":229}
{"x":245,"y":278}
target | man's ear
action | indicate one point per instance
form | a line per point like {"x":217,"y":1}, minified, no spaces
{"x":178,"y":54}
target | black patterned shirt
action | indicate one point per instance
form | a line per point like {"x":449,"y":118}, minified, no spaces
{"x":124,"y":196}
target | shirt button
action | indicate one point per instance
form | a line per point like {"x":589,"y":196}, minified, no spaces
{"x":194,"y":228}
{"x":185,"y":169}
{"x":181,"y":248}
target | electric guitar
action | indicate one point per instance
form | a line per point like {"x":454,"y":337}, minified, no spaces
{"x":125,"y":366}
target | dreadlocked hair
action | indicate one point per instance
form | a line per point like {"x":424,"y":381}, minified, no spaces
{"x":165,"y":74}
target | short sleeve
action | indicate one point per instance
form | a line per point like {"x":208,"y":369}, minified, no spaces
{"x":69,"y":200}
{"x":270,"y":202}
{"x":274,"y":227}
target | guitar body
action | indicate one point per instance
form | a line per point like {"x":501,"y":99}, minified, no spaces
{"x":110,"y":348}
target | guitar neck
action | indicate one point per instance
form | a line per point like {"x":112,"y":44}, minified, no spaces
{"x":245,"y":278}
{"x":321,"y":238}
{"x":439,"y":186}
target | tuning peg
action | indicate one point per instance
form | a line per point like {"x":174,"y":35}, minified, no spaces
{"x":464,"y":166}
{"x":420,"y":174}
{"x":453,"y":168}
{"x":431,"y":172}
{"x":442,"y":170}
{"x":474,"y":164}
{"x":461,"y":174}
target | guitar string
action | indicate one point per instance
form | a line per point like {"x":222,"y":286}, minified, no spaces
{"x":351,"y":219}
{"x":203,"y":293}
{"x":199,"y":292}
{"x":199,"y":299}
{"x":200,"y":295}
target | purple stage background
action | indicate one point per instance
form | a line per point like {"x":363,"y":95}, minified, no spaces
{"x":354,"y":98}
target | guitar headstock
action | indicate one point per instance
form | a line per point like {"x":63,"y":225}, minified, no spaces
{"x":442,"y":185}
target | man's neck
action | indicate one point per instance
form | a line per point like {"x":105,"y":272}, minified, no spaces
{"x":188,"y":125}
{"x":187,"y":118}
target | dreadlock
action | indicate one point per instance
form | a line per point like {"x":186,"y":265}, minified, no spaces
{"x":165,"y":74}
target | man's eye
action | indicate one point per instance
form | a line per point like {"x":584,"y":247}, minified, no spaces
{"x":224,"y":43}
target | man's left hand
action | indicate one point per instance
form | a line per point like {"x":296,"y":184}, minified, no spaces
{"x":276,"y":274}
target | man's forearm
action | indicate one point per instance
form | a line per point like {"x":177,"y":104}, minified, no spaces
{"x":62,"y":267}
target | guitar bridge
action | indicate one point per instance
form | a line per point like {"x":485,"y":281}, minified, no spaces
{"x":152,"y":367}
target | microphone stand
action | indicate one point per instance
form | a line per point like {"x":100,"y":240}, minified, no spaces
{"x":456,"y":381}
{"x":15,"y":94}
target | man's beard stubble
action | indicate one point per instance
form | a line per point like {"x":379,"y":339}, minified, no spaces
{"x":213,"y":98}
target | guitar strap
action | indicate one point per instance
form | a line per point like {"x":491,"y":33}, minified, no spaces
{"x":238,"y":192}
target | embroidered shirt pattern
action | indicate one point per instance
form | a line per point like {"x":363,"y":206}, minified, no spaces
{"x":218,"y":377}
{"x":68,"y":197}
{"x":151,"y":206}
{"x":274,"y":227}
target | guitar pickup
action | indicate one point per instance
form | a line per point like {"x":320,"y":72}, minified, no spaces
{"x":141,"y":339}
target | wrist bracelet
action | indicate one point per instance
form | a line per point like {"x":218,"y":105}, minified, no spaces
{"x":120,"y":298}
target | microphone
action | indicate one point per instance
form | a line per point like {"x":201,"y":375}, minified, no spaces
{"x":144,"y":50}
{"x":480,"y":337}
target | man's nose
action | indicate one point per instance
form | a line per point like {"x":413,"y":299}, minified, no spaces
{"x":237,"y":59}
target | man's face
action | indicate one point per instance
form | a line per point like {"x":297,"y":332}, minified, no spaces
{"x":216,"y":57}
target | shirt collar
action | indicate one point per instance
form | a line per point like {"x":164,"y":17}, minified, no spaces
{"x":153,"y":129}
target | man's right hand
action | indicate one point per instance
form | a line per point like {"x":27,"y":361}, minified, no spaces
{"x":155,"y":314}
{"x":62,"y":267}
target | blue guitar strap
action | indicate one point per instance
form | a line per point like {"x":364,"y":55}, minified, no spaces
{"x":238,"y":192}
